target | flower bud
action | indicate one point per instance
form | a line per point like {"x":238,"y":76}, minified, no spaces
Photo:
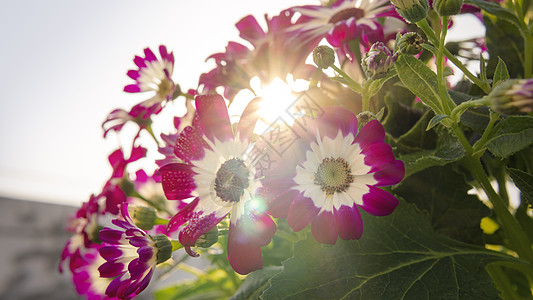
{"x":447,"y":7}
{"x":207,"y":239}
{"x":364,"y":117}
{"x":323,"y":56}
{"x":410,"y":43}
{"x":164,"y":247}
{"x":144,"y":217}
{"x":378,"y":60}
{"x":411,"y":10}
{"x":514,"y":96}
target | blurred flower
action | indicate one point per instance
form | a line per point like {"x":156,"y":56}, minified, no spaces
{"x":131,"y":256}
{"x":153,"y":75}
{"x":331,"y":173}
{"x":217,"y":172}
{"x":513,"y":96}
{"x":378,"y":60}
{"x":275,"y":54}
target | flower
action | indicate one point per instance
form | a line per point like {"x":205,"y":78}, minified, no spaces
{"x":218,"y":173}
{"x":346,"y":20}
{"x":514,"y":96}
{"x":378,"y":60}
{"x":331,"y":173}
{"x":153,"y":75}
{"x":131,"y":256}
{"x":86,"y":276}
{"x":119,"y":117}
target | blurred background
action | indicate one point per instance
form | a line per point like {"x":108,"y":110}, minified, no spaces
{"x":63,"y":68}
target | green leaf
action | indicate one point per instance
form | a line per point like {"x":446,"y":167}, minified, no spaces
{"x":442,"y":192}
{"x":511,"y":135}
{"x":398,"y":257}
{"x":436,"y":120}
{"x":474,"y":118}
{"x":420,"y":80}
{"x":504,"y":42}
{"x":215,"y":284}
{"x":377,"y":84}
{"x":495,"y":9}
{"x":447,"y":150}
{"x":524,"y":181}
{"x":500,"y":74}
{"x":256,"y":283}
{"x":400,"y":117}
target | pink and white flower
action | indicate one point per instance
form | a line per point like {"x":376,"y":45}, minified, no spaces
{"x":153,"y":75}
{"x":218,"y":174}
{"x":331,"y":173}
{"x":131,"y":256}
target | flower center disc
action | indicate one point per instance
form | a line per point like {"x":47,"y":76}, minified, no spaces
{"x":333,"y":175}
{"x":345,"y":14}
{"x":164,"y":88}
{"x":231,"y":180}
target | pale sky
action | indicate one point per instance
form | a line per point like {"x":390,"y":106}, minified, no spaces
{"x":63,"y":69}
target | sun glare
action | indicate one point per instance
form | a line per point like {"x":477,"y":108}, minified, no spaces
{"x":278,"y":96}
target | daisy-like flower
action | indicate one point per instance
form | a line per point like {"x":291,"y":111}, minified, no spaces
{"x":131,"y":256}
{"x":153,"y":75}
{"x":330,"y":174}
{"x":86,"y":276}
{"x":218,"y":173}
{"x":346,"y":20}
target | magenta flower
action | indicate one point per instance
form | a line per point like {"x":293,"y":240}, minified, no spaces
{"x":86,"y":276}
{"x":131,"y":256}
{"x":153,"y":75}
{"x":138,"y":114}
{"x":330,"y":174}
{"x":218,"y":173}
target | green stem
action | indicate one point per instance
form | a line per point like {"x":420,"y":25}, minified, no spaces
{"x":511,"y":227}
{"x":366,"y":95}
{"x":528,"y":55}
{"x":480,"y":144}
{"x":432,"y":37}
{"x":456,"y":113}
{"x":349,"y":81}
{"x":187,"y":96}
{"x":446,"y":103}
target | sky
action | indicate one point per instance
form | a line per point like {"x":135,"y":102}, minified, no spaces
{"x":63,"y":69}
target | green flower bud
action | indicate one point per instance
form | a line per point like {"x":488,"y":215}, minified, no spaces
{"x":207,"y":239}
{"x":143,"y":216}
{"x":164,"y":247}
{"x":410,"y":43}
{"x":411,"y":10}
{"x":447,"y":7}
{"x":324,"y":56}
{"x":514,"y":96}
{"x":377,"y":61}
{"x":364,"y":117}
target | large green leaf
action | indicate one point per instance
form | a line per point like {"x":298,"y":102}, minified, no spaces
{"x":511,"y":135}
{"x":447,"y":150}
{"x":442,"y":192}
{"x":504,"y":42}
{"x":399,"y":257}
{"x":255,"y":283}
{"x":524,"y":182}
{"x":419,"y":79}
{"x":495,"y":9}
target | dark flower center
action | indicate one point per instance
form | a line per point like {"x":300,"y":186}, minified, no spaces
{"x":345,"y":14}
{"x":164,"y":88}
{"x":231,"y":180}
{"x":333,"y":175}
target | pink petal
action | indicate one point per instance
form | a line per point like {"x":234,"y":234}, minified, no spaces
{"x":371,"y":133}
{"x":190,"y":145}
{"x":335,"y":119}
{"x":243,"y":257}
{"x":324,"y":228}
{"x":279,"y":201}
{"x":378,"y":202}
{"x":301,"y":212}
{"x":150,"y":56}
{"x":133,"y":74}
{"x":250,"y":30}
{"x":378,"y":155}
{"x":139,"y":61}
{"x":132,"y":88}
{"x":249,"y":118}
{"x":182,"y":216}
{"x":137,"y":153}
{"x":177,"y":180}
{"x":349,"y":222}
{"x":214,"y":117}
{"x":391,"y":174}
{"x":198,"y":225}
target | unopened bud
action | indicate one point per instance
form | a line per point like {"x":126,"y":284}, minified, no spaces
{"x":324,"y":56}
{"x":514,"y":96}
{"x":364,"y":117}
{"x":411,"y":10}
{"x":410,"y":43}
{"x":378,"y":60}
{"x":207,"y":239}
{"x":447,"y":7}
{"x":144,"y":217}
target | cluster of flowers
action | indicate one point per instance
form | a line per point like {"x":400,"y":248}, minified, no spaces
{"x":335,"y":165}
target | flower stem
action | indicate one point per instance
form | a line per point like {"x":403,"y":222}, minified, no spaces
{"x":366,"y":95}
{"x":446,"y":103}
{"x":511,"y":227}
{"x":528,"y":55}
{"x":349,"y":81}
